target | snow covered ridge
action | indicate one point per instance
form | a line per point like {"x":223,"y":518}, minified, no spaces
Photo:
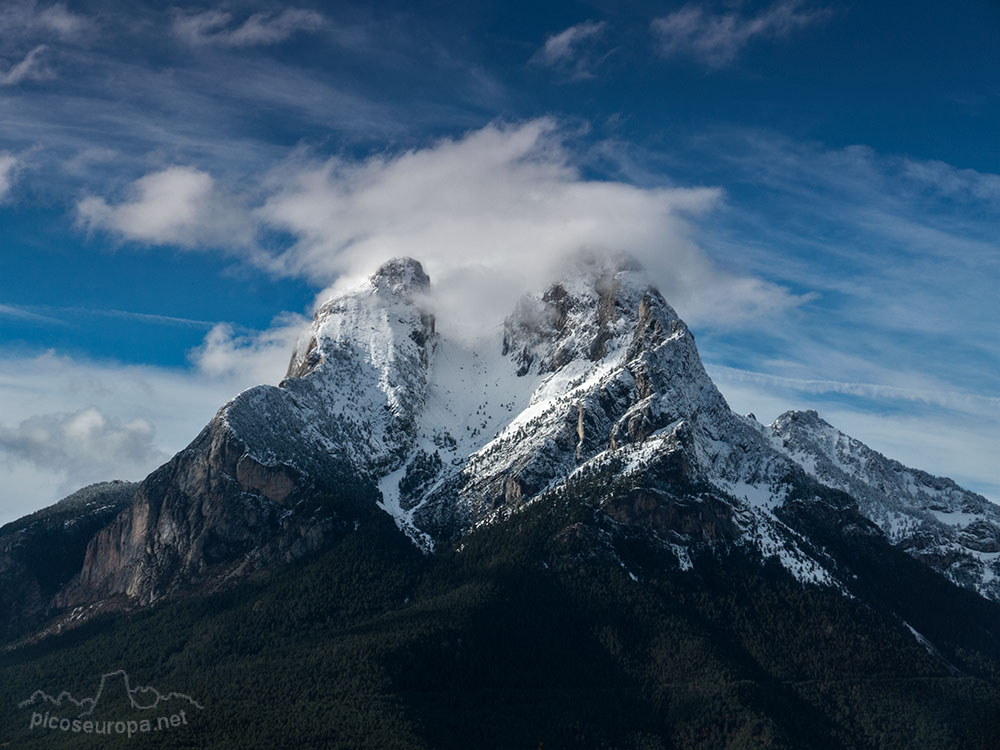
{"x":591,"y":391}
{"x":951,"y":528}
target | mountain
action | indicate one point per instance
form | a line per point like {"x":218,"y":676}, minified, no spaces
{"x":951,"y":529}
{"x":449,"y":529}
{"x":597,"y":375}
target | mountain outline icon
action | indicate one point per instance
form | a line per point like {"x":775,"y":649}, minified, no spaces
{"x":135,"y":696}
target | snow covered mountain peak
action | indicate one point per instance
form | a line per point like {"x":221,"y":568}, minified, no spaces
{"x":596,"y":362}
{"x":380,"y":313}
{"x":955,"y":530}
{"x":805,"y":417}
{"x":593,"y":311}
{"x":401,"y":276}
{"x":356,"y":384}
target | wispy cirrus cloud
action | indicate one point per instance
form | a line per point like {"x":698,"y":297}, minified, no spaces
{"x":716,"y":38}
{"x":217,"y":27}
{"x":935,"y":395}
{"x":27,"y":17}
{"x":89,"y":136}
{"x":571,"y":50}
{"x":31,"y":68}
{"x":9,"y":165}
{"x":19,"y":313}
{"x":946,"y":180}
{"x":55,"y":315}
{"x":27,"y":35}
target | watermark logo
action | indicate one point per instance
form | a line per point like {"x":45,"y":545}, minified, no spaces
{"x":116,"y":708}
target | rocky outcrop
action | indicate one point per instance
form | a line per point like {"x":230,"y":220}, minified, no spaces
{"x":688,"y":519}
{"x":212,"y":511}
{"x":40,"y":553}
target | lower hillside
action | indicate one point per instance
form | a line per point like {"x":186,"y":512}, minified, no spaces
{"x":523,"y":639}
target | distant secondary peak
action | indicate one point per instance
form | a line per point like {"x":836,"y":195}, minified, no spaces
{"x":808,"y":417}
{"x":401,"y":276}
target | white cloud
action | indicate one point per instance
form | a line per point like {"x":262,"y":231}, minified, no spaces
{"x":8,"y":171}
{"x":26,"y":33}
{"x":492,"y":214}
{"x":566,"y":50}
{"x":31,"y":68}
{"x":178,"y":205}
{"x":257,"y":357}
{"x":86,"y":445}
{"x":260,"y":29}
{"x":715,"y":39}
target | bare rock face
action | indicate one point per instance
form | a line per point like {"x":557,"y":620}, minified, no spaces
{"x":191,"y":514}
{"x":213,"y":511}
{"x":709,"y":520}
{"x":41,"y":552}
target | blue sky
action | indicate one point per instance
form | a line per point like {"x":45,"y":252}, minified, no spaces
{"x":814,"y":185}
